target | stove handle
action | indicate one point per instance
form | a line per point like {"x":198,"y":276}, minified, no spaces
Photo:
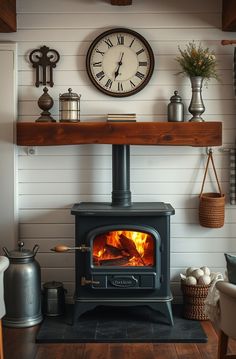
{"x":85,"y":281}
{"x":61,"y":248}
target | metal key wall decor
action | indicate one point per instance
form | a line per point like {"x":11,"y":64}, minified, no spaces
{"x":46,"y":59}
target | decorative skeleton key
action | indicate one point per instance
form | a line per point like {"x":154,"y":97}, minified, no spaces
{"x":44,"y":57}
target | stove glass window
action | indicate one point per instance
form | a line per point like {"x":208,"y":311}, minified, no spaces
{"x":124,"y":248}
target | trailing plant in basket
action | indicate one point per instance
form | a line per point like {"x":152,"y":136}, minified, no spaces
{"x":197,"y":61}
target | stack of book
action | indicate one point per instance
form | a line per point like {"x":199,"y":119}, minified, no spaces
{"x":121,"y":117}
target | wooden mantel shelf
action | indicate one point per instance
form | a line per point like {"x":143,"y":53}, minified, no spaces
{"x":198,"y":134}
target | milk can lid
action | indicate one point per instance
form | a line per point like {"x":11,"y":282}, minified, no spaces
{"x":52,"y":285}
{"x":21,"y":252}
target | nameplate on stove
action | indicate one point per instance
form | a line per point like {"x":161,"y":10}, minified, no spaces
{"x":124,"y":282}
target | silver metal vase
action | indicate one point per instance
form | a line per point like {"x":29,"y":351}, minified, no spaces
{"x":196,"y":107}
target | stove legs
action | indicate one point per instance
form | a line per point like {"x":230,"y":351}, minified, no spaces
{"x":79,"y":309}
{"x":164,"y":308}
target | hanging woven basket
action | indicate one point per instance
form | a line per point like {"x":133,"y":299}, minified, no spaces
{"x":211,"y":205}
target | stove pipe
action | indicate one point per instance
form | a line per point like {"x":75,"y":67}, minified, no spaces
{"x":121,"y":195}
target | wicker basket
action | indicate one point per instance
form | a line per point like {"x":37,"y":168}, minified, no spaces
{"x":194,"y":297}
{"x":212,"y":210}
{"x":211,"y":205}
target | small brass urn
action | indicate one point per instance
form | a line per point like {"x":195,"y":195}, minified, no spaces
{"x":69,"y":106}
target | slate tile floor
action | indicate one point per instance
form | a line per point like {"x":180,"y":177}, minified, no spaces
{"x":121,"y":325}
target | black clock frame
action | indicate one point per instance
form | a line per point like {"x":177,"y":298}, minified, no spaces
{"x":107,"y":33}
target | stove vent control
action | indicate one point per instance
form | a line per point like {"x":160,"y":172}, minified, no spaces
{"x":85,"y":281}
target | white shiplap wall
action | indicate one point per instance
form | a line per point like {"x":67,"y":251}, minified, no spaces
{"x":56,"y":177}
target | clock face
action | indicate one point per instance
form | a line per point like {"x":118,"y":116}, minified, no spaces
{"x":120,"y":62}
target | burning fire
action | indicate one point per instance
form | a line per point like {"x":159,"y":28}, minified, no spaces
{"x":123,"y":248}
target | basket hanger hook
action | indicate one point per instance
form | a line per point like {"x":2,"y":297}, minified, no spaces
{"x":209,"y":150}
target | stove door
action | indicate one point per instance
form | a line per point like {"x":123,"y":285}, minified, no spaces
{"x":124,"y":257}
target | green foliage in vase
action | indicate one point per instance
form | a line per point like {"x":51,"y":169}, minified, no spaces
{"x":197,"y":61}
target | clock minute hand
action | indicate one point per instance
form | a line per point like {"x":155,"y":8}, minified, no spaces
{"x":119,"y":65}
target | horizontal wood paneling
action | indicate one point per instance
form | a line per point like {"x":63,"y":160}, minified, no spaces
{"x":137,"y":176}
{"x":52,"y":180}
{"x":67,"y":201}
{"x":137,"y":162}
{"x":166,"y":34}
{"x":165,"y":62}
{"x":70,"y":6}
{"x":74,"y":47}
{"x":166,"y":20}
{"x":152,"y":92}
{"x":106,"y":187}
{"x":161,"y":77}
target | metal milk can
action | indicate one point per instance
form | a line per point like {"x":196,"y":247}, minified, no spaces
{"x":22,"y":288}
{"x":175,"y":108}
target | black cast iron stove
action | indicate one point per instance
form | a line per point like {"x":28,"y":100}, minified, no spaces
{"x":124,"y":256}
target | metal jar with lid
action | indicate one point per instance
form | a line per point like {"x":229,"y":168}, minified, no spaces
{"x":175,"y":108}
{"x":69,"y":106}
{"x":22,"y":288}
{"x":53,"y":299}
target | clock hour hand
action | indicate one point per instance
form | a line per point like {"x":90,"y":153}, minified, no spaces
{"x":119,"y":65}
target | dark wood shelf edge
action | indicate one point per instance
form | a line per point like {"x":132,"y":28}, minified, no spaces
{"x":7,"y":15}
{"x":228,"y":15}
{"x":197,"y":134}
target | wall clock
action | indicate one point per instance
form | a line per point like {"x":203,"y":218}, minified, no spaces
{"x":120,"y":62}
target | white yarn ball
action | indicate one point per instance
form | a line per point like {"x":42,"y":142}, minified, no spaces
{"x":189,"y":270}
{"x":197,"y":273}
{"x":190,"y":280}
{"x":206,"y":270}
{"x":204,"y":280}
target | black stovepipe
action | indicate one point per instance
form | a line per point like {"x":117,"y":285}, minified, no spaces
{"x":121,"y":195}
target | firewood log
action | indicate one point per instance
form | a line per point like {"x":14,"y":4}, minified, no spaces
{"x":113,"y":251}
{"x":129,"y":246}
{"x":114,"y":261}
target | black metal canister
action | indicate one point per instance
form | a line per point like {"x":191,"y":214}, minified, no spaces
{"x":53,"y":299}
{"x":22,"y":288}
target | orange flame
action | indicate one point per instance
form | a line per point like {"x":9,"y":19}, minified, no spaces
{"x":123,"y":248}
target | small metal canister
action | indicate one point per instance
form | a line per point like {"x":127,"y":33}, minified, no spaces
{"x":69,"y":106}
{"x":22,"y":288}
{"x":175,"y":108}
{"x":53,"y":299}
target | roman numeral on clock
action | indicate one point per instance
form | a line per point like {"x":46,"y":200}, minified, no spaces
{"x":108,"y":84}
{"x":100,"y":75}
{"x":139,"y":75}
{"x":139,"y":52}
{"x":100,"y":52}
{"x":142,"y":63}
{"x":132,"y":84}
{"x":120,"y":40}
{"x":108,"y":42}
{"x":97,"y":64}
{"x":120,"y":86}
{"x":131,"y":43}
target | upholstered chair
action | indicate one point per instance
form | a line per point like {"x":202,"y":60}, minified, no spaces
{"x":4,"y":263}
{"x":227,"y":320}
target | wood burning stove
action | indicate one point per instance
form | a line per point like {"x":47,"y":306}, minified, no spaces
{"x":124,"y":248}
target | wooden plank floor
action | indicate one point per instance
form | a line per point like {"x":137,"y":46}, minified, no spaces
{"x":19,"y":343}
